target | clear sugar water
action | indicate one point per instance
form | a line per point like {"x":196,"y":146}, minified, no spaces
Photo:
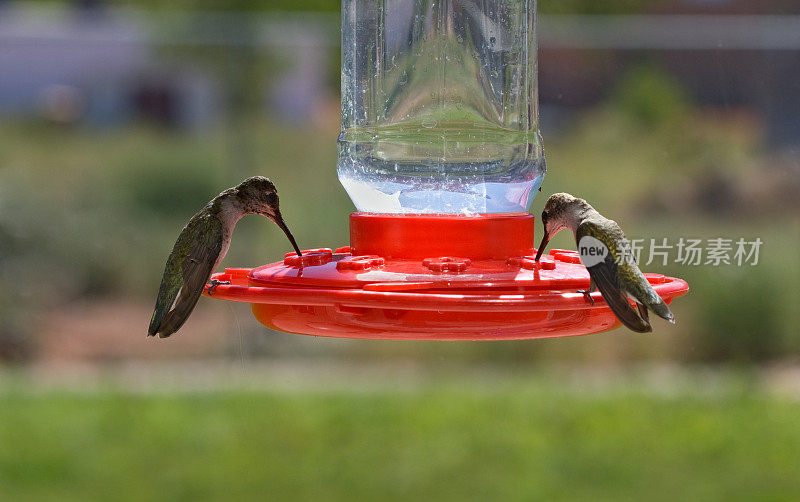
{"x":439,"y":106}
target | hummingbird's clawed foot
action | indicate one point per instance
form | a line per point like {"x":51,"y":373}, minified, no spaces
{"x":587,"y":293}
{"x":214,"y":283}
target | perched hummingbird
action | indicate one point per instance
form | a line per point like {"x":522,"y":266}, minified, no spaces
{"x":608,"y":257}
{"x":202,"y":245}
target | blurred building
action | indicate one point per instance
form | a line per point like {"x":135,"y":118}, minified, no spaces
{"x":104,"y":66}
{"x":92,"y":65}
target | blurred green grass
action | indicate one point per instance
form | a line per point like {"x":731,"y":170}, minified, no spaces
{"x":517,"y":440}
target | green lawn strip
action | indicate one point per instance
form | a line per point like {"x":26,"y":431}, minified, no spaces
{"x":436,"y":443}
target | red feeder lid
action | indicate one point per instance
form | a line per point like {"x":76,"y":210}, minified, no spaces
{"x":430,"y":277}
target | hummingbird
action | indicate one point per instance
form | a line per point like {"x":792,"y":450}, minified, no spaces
{"x":607,"y":255}
{"x":202,"y":245}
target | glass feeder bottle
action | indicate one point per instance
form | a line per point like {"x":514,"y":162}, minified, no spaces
{"x":439,"y":106}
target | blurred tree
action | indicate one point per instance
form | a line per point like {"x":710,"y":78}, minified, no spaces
{"x":651,"y":97}
{"x":741,"y":318}
{"x":15,"y":345}
{"x":594,"y":6}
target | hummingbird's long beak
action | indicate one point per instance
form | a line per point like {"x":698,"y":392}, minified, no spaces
{"x":279,"y":221}
{"x":545,"y":240}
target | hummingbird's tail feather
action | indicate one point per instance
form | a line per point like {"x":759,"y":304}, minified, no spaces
{"x":155,"y":322}
{"x":167,"y":293}
{"x":164,"y":316}
{"x":177,"y":316}
{"x":662,"y":310}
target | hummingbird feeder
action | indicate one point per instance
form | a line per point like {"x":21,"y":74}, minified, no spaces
{"x":441,"y":154}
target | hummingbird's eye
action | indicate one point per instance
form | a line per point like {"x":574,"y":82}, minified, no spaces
{"x":544,"y":215}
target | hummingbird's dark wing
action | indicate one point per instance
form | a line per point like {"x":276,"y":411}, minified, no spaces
{"x":189,"y":267}
{"x":606,"y":276}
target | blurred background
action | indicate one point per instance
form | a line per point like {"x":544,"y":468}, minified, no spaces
{"x":677,"y":118}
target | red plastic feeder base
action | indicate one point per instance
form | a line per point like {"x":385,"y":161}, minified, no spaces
{"x":430,"y":277}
